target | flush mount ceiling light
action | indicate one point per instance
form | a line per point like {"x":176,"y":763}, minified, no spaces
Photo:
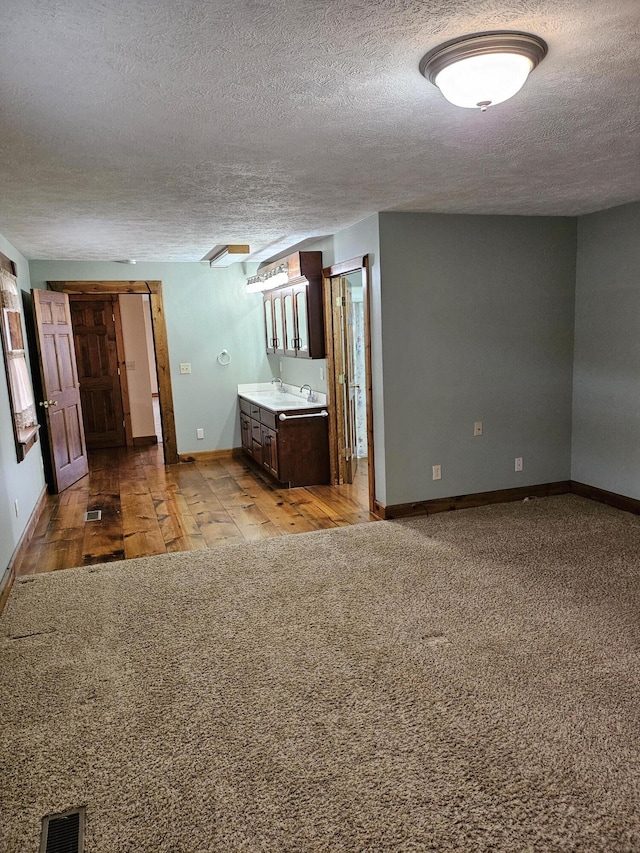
{"x":224,"y":256}
{"x":484,"y":69}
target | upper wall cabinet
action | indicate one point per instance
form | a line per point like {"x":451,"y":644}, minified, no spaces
{"x":294,"y":313}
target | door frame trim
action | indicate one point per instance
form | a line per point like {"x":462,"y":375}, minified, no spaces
{"x":160,"y":344}
{"x":362,"y":263}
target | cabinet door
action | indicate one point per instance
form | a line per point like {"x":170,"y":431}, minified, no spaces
{"x":290,"y":325}
{"x":278,"y":323}
{"x":270,"y":450}
{"x":268,"y":323}
{"x":256,"y":439}
{"x":302,"y":321}
{"x":245,"y":429}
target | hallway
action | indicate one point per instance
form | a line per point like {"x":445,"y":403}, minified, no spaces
{"x":149,"y":508}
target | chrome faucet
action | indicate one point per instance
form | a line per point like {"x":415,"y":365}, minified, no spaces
{"x":311,"y":397}
{"x":277,"y":379}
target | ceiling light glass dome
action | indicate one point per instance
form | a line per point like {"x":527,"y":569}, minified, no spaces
{"x":484,"y":69}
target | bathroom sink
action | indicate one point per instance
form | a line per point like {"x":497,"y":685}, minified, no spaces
{"x":276,"y":401}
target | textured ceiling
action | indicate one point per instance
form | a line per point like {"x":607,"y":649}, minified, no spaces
{"x":156,"y":130}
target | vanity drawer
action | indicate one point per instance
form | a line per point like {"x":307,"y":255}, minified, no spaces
{"x":269,"y":419}
{"x":245,"y":406}
{"x":254,"y":411}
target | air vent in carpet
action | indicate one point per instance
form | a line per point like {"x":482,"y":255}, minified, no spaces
{"x":93,"y":515}
{"x":63,"y":833}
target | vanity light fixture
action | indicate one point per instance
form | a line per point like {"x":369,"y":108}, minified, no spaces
{"x":227,"y":255}
{"x":268,"y":279}
{"x":483,"y":69}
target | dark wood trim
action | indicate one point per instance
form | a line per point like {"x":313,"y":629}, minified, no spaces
{"x":144,"y":440}
{"x":105,"y":287}
{"x":165,"y":391}
{"x":345,"y":267}
{"x":7,"y":264}
{"x":21,"y":549}
{"x":212,"y":455}
{"x":610,"y":498}
{"x":27,"y":438}
{"x":160,"y":343}
{"x":5,"y":587}
{"x":327,"y":292}
{"x":378,"y":509}
{"x":498,"y":496}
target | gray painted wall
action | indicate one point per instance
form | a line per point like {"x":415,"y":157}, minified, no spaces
{"x":606,"y":400}
{"x":472,"y":319}
{"x":206,"y":311}
{"x":477,"y":324}
{"x":23,"y":482}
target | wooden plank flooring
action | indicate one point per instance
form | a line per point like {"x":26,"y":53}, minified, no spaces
{"x":149,"y":508}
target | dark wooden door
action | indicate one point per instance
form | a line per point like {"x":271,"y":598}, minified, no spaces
{"x":61,"y":392}
{"x":94,"y":335}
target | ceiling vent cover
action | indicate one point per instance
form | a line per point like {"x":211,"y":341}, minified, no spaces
{"x":63,"y":833}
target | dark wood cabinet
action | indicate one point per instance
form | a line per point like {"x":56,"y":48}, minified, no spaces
{"x":274,"y":322}
{"x":295,"y":451}
{"x":294,"y":313}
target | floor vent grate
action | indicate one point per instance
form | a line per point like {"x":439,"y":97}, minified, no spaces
{"x":93,"y":515}
{"x":63,"y":833}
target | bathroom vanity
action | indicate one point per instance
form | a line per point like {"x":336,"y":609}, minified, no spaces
{"x":286,"y":434}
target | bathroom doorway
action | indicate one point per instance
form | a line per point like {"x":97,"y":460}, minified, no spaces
{"x":348,"y":347}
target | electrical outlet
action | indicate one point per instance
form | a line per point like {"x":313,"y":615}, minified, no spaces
{"x":130,"y":365}
{"x":17,"y":508}
{"x":436,"y":470}
{"x":185,"y":367}
{"x":518,"y":466}
{"x":477,"y":428}
{"x":199,"y":433}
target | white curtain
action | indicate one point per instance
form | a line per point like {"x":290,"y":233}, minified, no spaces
{"x":21,"y":390}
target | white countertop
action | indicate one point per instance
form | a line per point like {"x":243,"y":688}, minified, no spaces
{"x":269,"y":396}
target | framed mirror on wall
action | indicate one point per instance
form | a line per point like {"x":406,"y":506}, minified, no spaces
{"x":21,"y":400}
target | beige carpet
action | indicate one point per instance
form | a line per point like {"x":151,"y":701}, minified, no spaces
{"x":464,"y":682}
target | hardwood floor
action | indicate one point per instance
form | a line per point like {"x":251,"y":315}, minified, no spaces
{"x":149,"y":508}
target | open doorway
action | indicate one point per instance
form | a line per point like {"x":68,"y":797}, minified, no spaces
{"x":348,"y":346}
{"x":117,"y":372}
{"x":144,"y":373}
{"x":140,"y":369}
